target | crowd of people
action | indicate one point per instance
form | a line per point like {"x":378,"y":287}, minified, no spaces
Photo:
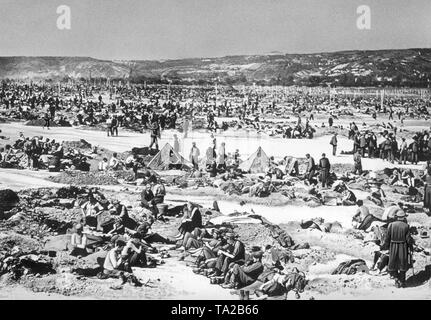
{"x":388,"y":146}
{"x":220,"y":254}
{"x":160,"y":107}
{"x":37,"y":153}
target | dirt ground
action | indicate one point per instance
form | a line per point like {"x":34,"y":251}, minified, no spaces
{"x":174,"y":279}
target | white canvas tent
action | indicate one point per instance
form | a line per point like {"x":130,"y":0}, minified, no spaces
{"x":258,"y":162}
{"x":166,"y":158}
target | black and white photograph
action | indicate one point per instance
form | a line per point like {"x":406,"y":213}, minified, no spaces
{"x":216,"y":150}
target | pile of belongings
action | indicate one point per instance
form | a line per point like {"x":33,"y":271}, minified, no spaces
{"x":352,"y":267}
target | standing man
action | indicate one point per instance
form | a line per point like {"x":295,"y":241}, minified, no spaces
{"x":372,"y":145}
{"x":194,"y":156}
{"x":334,"y":143}
{"x":324,"y":166}
{"x":221,"y":157}
{"x":357,"y":160}
{"x":391,"y":113}
{"x":46,"y":118}
{"x":309,"y":173}
{"x":155,"y":133}
{"x":176,"y":144}
{"x":185,"y":126}
{"x":403,"y":151}
{"x":114,"y":126}
{"x":330,"y":120}
{"x":399,"y":240}
{"x":52,"y":109}
{"x":414,"y":147}
{"x":363,"y":144}
{"x":109,"y":126}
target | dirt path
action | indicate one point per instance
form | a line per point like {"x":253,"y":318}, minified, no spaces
{"x":24,"y":179}
{"x":274,"y":146}
{"x":189,"y":285}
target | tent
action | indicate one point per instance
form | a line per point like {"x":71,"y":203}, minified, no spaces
{"x":258,"y":162}
{"x":168,"y":158}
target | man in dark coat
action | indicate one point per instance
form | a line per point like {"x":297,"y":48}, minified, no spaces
{"x":324,"y":166}
{"x":191,"y":221}
{"x":414,"y":147}
{"x":372,"y":145}
{"x":363,"y":144}
{"x":357,"y":160}
{"x":334,"y":143}
{"x":399,"y":241}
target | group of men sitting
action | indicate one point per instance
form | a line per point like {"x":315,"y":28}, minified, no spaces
{"x":223,"y":258}
{"x":219,"y":252}
{"x":35,"y":153}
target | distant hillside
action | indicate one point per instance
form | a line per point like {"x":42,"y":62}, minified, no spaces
{"x":410,"y":67}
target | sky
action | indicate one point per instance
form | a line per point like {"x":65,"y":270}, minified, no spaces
{"x":175,"y":29}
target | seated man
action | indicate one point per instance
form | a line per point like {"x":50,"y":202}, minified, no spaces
{"x":103,"y":165}
{"x":130,"y":160}
{"x":118,"y":228}
{"x":192,"y":219}
{"x":120,"y":210}
{"x":114,"y":265}
{"x":395,"y":178}
{"x":194,"y":239}
{"x":241,"y":276}
{"x":381,"y":261}
{"x":348,"y":198}
{"x":211,"y":168}
{"x":133,"y":253}
{"x":391,"y":212}
{"x":114,"y":163}
{"x":363,"y":218}
{"x":377,"y":195}
{"x":78,"y":242}
{"x":262,"y":189}
{"x":7,"y":157}
{"x":208,"y":255}
{"x":147,"y":235}
{"x":407,"y":177}
{"x":113,"y":261}
{"x":159,"y":193}
{"x":147,"y":197}
{"x":91,"y":210}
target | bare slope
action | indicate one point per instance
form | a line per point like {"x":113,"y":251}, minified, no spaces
{"x":409,"y":67}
